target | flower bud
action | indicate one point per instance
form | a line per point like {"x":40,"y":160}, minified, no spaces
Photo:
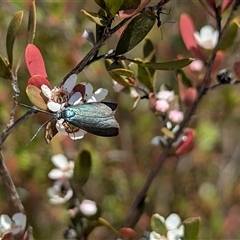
{"x":189,"y":96}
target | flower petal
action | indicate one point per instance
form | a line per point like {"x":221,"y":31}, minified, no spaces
{"x":56,"y":199}
{"x":75,"y":99}
{"x":46,"y":91}
{"x":55,"y":107}
{"x":60,"y":161}
{"x":172,"y":221}
{"x":20,"y":220}
{"x":77,"y":135}
{"x":61,"y":128}
{"x":89,"y":89}
{"x":55,"y":174}
{"x":100,"y":94}
{"x":70,"y":83}
{"x":5,"y":222}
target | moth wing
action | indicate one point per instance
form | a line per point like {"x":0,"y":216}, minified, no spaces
{"x":96,"y":118}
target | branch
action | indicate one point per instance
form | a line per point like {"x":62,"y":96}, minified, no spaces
{"x":131,"y":220}
{"x":92,"y":55}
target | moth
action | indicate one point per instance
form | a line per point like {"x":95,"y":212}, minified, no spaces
{"x":96,"y":117}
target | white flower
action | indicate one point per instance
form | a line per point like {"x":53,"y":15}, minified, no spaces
{"x":97,"y":96}
{"x":207,"y":37}
{"x":175,"y":231}
{"x":88,"y":207}
{"x":67,"y":95}
{"x":60,"y":192}
{"x":15,"y":225}
{"x":64,"y":167}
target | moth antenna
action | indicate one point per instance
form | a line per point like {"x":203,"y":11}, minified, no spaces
{"x":35,"y":109}
{"x":39,"y":129}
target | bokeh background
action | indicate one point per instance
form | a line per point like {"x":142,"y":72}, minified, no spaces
{"x":204,"y":183}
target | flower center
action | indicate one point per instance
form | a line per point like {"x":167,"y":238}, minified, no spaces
{"x":60,"y":95}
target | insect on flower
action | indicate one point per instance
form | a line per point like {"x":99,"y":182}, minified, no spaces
{"x":94,"y":117}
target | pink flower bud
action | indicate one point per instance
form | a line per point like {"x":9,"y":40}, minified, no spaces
{"x":162,"y":106}
{"x":175,"y":116}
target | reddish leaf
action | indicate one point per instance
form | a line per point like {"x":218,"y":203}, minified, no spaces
{"x":187,"y":143}
{"x":34,"y":61}
{"x":226,"y":4}
{"x":38,"y":81}
{"x":211,"y":3}
{"x":131,"y":12}
{"x":187,"y":30}
{"x":189,"y":96}
{"x":217,"y":62}
{"x":127,"y":233}
{"x":236,"y":68}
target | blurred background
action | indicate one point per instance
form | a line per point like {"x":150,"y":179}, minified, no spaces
{"x":204,"y":183}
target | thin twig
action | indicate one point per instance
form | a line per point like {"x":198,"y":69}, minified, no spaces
{"x":9,"y":185}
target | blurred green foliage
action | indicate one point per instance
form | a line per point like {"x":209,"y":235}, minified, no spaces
{"x":204,"y":183}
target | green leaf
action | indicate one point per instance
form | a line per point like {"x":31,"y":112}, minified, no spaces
{"x":82,"y":169}
{"x":11,"y":34}
{"x":167,"y":132}
{"x":142,"y":75}
{"x":36,"y":97}
{"x":96,"y":18}
{"x":191,"y":228}
{"x":148,"y":48}
{"x":135,"y":32}
{"x":149,"y":54}
{"x":5,"y":71}
{"x":113,"y":6}
{"x":230,"y":35}
{"x":32,"y":22}
{"x":172,"y":65}
{"x":185,"y":80}
{"x":126,"y":4}
{"x":120,"y":74}
{"x":101,"y":3}
{"x":130,"y":4}
{"x":158,"y":224}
